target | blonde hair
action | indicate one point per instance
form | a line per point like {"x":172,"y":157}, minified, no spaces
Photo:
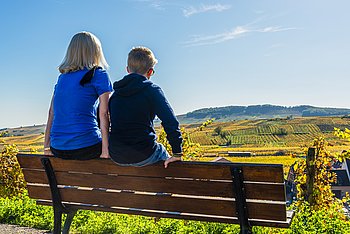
{"x":84,"y":51}
{"x":141,"y":59}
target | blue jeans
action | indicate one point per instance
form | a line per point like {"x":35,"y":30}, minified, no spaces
{"x":160,"y":154}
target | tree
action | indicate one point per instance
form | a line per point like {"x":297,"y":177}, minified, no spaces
{"x":218,"y":130}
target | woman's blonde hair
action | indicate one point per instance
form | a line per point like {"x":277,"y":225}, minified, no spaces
{"x":84,"y":51}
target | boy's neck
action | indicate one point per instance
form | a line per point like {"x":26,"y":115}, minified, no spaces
{"x":145,"y":75}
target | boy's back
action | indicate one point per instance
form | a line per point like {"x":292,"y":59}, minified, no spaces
{"x":133,"y":106}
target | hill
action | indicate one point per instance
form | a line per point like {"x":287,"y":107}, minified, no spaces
{"x":229,"y":113}
{"x":24,"y":131}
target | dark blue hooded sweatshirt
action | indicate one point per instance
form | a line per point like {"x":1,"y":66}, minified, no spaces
{"x":133,"y":106}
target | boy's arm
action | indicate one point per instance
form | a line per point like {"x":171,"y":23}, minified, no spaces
{"x":171,"y":125}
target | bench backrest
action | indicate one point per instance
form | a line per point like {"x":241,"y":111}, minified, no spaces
{"x":187,"y":190}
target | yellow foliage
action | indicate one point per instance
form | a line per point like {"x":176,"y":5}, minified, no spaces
{"x":322,"y":195}
{"x":191,"y":151}
{"x":11,"y":177}
{"x":344,"y":135}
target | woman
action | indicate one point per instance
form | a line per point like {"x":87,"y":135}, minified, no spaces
{"x":72,"y":130}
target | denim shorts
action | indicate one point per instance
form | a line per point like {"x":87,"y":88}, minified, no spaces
{"x":160,"y":154}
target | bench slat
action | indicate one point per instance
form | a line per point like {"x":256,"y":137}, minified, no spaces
{"x":200,"y":170}
{"x":234,"y":220}
{"x":221,"y":207}
{"x":152,"y":184}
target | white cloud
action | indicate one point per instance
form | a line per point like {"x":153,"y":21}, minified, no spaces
{"x":238,"y":31}
{"x":156,"y":4}
{"x":274,"y":29}
{"x":189,"y":11}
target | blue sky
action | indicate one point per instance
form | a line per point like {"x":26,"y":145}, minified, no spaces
{"x":211,"y":53}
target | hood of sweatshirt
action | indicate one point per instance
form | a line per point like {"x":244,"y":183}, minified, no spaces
{"x":131,"y":84}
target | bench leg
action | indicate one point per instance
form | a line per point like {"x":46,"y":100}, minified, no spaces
{"x":68,"y":221}
{"x":241,"y":203}
{"x":57,"y":221}
{"x":245,"y":230}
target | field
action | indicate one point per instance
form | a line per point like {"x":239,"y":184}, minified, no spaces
{"x":27,"y":139}
{"x":266,"y":139}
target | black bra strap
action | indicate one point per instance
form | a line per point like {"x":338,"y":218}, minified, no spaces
{"x":88,"y":76}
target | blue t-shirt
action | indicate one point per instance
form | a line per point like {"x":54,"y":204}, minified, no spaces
{"x":74,"y":123}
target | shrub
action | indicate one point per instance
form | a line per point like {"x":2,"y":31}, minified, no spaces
{"x":280,"y":132}
{"x":23,"y":211}
{"x":324,"y":220}
{"x":11,"y":177}
{"x":218,"y":130}
{"x":314,"y":178}
{"x":191,"y":151}
{"x":4,"y":134}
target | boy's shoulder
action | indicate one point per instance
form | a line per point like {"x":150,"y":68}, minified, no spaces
{"x":154,"y":88}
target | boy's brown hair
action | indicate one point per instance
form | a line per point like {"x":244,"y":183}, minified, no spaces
{"x":140,"y":60}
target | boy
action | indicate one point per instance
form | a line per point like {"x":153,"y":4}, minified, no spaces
{"x":133,"y":106}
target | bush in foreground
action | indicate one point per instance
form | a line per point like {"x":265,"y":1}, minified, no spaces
{"x":11,"y":177}
{"x":23,"y":211}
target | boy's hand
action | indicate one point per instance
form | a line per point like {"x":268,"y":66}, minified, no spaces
{"x":171,"y":159}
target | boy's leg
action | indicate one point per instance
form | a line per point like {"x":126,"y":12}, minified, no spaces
{"x":160,"y":154}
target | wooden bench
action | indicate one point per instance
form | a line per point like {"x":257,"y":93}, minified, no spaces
{"x":245,"y":194}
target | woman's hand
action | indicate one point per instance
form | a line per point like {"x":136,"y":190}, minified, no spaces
{"x":104,"y":155}
{"x":47,"y":152}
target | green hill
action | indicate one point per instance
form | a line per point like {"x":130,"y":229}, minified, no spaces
{"x":229,"y":113}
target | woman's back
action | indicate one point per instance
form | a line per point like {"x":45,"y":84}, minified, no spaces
{"x":72,"y":131}
{"x":75,"y":119}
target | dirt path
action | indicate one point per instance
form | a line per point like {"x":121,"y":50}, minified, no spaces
{"x":13,"y":229}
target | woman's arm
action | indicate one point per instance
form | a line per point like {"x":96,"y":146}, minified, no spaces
{"x":104,"y":123}
{"x":47,"y":150}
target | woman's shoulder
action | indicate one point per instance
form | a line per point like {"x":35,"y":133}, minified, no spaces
{"x":101,"y":70}
{"x":101,"y":81}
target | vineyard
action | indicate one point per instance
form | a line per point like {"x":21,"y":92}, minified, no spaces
{"x":266,"y":137}
{"x":270,"y":135}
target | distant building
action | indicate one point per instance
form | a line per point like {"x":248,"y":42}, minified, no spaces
{"x":239,"y":154}
{"x":343,"y":182}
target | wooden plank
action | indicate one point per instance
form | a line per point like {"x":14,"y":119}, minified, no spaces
{"x":160,"y":185}
{"x":195,"y":205}
{"x":200,"y":170}
{"x":44,"y":192}
{"x":198,"y":217}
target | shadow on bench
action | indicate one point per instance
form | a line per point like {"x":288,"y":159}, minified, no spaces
{"x":245,"y":194}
